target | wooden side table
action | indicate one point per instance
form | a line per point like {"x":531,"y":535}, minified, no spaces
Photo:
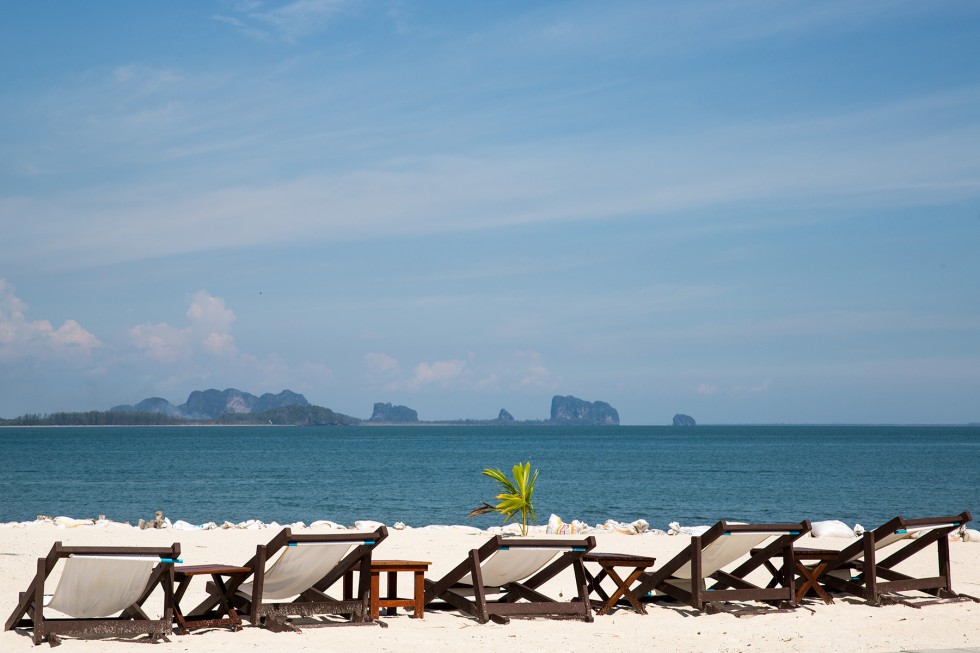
{"x":809,"y":576}
{"x":609,"y":562}
{"x":215,"y":612}
{"x":391,"y":601}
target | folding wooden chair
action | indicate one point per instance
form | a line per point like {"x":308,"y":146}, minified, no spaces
{"x":514,"y":569}
{"x":686,"y":577}
{"x":295,"y":582}
{"x":101,"y":590}
{"x":857,"y":570}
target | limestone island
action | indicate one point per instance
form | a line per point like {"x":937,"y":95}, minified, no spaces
{"x":287,"y":408}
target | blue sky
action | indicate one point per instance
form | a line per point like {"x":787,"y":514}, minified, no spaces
{"x":744,"y":211}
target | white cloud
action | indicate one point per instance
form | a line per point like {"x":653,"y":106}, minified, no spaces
{"x":733,"y":390}
{"x":535,"y":375}
{"x":220,"y":344}
{"x":760,"y":388}
{"x":162,"y":342}
{"x":382,"y":363}
{"x":707,"y":389}
{"x":439,"y":372}
{"x":209,"y":315}
{"x":208,"y":332}
{"x":24,"y":338}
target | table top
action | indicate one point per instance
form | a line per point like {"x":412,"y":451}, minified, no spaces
{"x":198,"y":570}
{"x":619,"y":559}
{"x":399,"y":565}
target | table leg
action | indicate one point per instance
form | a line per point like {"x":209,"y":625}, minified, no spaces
{"x":178,"y":615}
{"x":225,"y":602}
{"x":595,"y":584}
{"x":622,"y":590}
{"x":419,"y":594}
{"x":811,"y":580}
{"x":392,"y":592}
{"x":628,"y":593}
{"x":375,"y":594}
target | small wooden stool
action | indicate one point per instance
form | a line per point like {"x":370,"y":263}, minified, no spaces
{"x":217,"y":611}
{"x":608,"y":562}
{"x":391,"y":601}
{"x":809,"y":576}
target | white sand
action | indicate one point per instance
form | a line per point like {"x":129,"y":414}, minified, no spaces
{"x":848,"y":625}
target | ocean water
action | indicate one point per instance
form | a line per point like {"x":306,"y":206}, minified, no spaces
{"x":431,"y":475}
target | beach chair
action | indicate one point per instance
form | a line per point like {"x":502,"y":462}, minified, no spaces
{"x":295,"y":582}
{"x":101,"y":591}
{"x":512,"y":569}
{"x":696,"y":575}
{"x":856,"y":569}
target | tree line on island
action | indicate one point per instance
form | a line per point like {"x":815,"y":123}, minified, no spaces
{"x":234,"y":407}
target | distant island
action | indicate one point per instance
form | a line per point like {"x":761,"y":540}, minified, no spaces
{"x":565,"y":411}
{"x":680,"y":419}
{"x":287,"y":408}
{"x":215,"y":404}
{"x":572,"y":411}
{"x":388,"y":414}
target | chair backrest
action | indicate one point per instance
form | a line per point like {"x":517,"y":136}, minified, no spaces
{"x":101,"y":586}
{"x":299,"y":566}
{"x":896,"y":530}
{"x":723,"y":551}
{"x":304,"y":560}
{"x":510,"y":564}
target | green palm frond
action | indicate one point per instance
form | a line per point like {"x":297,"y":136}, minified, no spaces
{"x":514,"y":497}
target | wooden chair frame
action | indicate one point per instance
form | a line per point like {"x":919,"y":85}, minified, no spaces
{"x":520,"y":598}
{"x":877,"y":579}
{"x":29,"y":612}
{"x":315,"y":600}
{"x":729,"y":586}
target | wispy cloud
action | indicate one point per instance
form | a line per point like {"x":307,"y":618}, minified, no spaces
{"x":289,"y":22}
{"x":830,"y":166}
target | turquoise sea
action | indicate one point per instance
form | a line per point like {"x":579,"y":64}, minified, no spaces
{"x":431,"y":475}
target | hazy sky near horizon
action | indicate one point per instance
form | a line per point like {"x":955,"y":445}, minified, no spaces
{"x":746,"y":211}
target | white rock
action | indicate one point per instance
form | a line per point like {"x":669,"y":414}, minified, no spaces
{"x":831,"y":528}
{"x":677,"y":529}
{"x":367,"y":525}
{"x":68,"y":522}
{"x":971,"y":535}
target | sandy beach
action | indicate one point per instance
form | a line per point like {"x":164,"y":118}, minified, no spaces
{"x":848,"y":625}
